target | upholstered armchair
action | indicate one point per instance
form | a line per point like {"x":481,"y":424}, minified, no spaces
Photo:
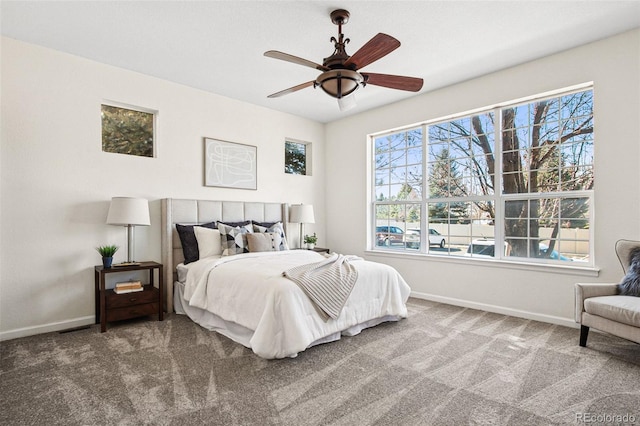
{"x":601,"y":307}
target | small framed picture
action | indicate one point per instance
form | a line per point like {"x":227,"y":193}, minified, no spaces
{"x":128,"y":130}
{"x":229,"y":164}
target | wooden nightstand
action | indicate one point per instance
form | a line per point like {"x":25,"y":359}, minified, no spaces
{"x":111,"y":306}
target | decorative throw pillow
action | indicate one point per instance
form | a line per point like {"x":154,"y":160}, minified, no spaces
{"x":208,"y":241}
{"x":189,"y":242}
{"x":630,"y":285}
{"x":267,"y":241}
{"x":234,"y":224}
{"x":276,"y":228}
{"x":234,"y":239}
{"x":264,"y":224}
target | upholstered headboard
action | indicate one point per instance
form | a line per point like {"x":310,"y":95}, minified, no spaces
{"x":191,"y":212}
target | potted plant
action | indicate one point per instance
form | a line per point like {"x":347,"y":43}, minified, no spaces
{"x":310,"y":241}
{"x":107,"y":253}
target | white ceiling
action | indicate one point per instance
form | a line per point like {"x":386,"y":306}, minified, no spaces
{"x":218,"y":46}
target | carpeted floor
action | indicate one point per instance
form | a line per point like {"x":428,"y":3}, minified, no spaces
{"x":444,"y":365}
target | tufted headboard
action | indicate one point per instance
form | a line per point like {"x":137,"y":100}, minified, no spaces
{"x":191,"y":212}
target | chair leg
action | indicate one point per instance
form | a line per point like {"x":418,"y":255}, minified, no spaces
{"x":584,"y":333}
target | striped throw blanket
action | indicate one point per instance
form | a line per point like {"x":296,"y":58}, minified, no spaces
{"x":327,"y":283}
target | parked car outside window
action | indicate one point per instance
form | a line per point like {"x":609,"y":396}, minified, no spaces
{"x":486,"y":248}
{"x":388,"y":235}
{"x":394,"y":235}
{"x":554,"y":254}
{"x":435,"y":238}
{"x":412,"y":238}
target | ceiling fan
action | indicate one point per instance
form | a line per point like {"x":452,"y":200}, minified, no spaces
{"x":340,"y":75}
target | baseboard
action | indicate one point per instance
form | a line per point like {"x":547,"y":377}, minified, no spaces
{"x":79,"y":322}
{"x":567,"y":322}
{"x":47,"y":328}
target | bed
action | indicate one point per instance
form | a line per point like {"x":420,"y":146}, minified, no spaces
{"x":245,"y":296}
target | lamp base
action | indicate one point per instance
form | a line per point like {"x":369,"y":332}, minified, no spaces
{"x":301,"y":234}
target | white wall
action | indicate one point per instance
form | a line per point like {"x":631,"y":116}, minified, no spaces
{"x":57,"y":182}
{"x":614,"y":67}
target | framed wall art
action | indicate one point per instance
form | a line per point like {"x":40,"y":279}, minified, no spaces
{"x":230,"y":165}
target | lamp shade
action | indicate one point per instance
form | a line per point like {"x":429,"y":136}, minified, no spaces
{"x":129,"y":211}
{"x":301,"y":213}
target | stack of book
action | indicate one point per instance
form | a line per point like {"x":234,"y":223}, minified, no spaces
{"x":128,"y":287}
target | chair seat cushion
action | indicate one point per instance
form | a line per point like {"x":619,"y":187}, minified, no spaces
{"x":624,"y":309}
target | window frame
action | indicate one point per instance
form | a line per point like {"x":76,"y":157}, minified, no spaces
{"x":499,"y":198}
{"x":128,"y":107}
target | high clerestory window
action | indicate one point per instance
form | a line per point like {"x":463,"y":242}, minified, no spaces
{"x":517,"y":176}
{"x":297,"y":157}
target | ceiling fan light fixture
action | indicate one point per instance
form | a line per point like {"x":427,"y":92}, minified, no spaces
{"x":339,"y":83}
{"x":347,"y":103}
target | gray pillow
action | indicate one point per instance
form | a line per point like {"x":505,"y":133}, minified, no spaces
{"x":267,"y":241}
{"x":630,"y":285}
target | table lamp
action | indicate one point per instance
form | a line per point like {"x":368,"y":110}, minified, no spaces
{"x":129,"y":212}
{"x":301,"y":213}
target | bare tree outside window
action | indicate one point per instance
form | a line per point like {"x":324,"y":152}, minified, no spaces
{"x":544,"y":188}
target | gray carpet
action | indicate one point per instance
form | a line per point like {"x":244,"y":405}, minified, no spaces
{"x":444,"y":365}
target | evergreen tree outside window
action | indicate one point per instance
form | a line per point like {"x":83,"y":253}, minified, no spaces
{"x":297,"y":158}
{"x":128,"y":130}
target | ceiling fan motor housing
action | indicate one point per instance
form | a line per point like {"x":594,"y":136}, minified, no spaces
{"x":340,"y":82}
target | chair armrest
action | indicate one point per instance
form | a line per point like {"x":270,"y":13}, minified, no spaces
{"x":587,"y":290}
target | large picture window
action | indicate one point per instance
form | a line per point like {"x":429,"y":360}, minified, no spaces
{"x":516,"y":176}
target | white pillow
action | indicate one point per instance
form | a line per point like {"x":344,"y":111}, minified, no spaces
{"x":208,"y":241}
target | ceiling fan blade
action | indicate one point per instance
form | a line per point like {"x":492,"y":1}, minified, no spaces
{"x":379,"y":46}
{"x":410,"y":84}
{"x":347,"y":102}
{"x":291,"y":89}
{"x":296,"y":60}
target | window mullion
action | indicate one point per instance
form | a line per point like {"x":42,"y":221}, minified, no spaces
{"x":498,"y":201}
{"x":424,"y":216}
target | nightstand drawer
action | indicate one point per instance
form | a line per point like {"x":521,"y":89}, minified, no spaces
{"x":134,"y":311}
{"x":149,"y":295}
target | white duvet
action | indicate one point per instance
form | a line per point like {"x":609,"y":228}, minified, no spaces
{"x":249,"y":290}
